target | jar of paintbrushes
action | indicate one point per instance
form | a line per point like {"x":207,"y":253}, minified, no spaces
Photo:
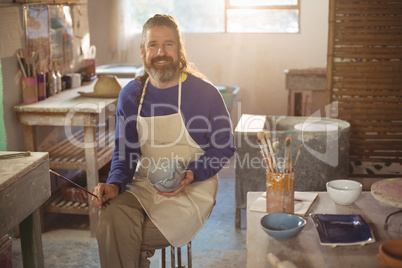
{"x":280,"y":174}
{"x":29,"y":80}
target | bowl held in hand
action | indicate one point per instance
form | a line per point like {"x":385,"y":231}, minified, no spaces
{"x":166,"y":176}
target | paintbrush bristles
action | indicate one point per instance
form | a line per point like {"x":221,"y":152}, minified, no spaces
{"x":266,"y":152}
{"x":275,"y":145}
{"x":261,"y":135}
{"x":287,"y":142}
{"x":271,"y":151}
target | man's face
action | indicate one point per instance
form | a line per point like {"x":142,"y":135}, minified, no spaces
{"x":161,"y":59}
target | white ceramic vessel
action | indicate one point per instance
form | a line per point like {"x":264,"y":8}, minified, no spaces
{"x":344,"y":192}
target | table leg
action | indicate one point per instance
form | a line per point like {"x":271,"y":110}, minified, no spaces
{"x":31,"y":241}
{"x":92,"y":173}
{"x":238,"y":218}
{"x":30,"y":138}
{"x":30,"y":145}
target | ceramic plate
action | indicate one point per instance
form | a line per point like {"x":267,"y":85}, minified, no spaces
{"x":342,"y":230}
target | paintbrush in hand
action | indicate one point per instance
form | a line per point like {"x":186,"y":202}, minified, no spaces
{"x":73,"y":183}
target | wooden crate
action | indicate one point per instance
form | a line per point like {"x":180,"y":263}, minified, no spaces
{"x":364,"y":76}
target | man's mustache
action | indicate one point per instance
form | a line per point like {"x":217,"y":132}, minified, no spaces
{"x":162,"y":58}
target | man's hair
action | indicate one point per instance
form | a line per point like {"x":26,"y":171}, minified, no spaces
{"x":184,"y":65}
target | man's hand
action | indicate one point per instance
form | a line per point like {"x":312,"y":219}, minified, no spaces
{"x":104,"y":192}
{"x":188,"y":178}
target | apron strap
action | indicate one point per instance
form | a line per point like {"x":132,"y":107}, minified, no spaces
{"x":145,"y":88}
{"x":142,"y":97}
{"x":179,"y":95}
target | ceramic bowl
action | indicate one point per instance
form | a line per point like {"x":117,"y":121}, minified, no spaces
{"x":166,"y":176}
{"x":344,"y":192}
{"x":390,"y":254}
{"x":282,"y":225}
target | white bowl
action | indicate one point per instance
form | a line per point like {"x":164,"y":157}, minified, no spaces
{"x":344,"y":192}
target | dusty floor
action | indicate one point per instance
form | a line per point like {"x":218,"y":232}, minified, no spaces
{"x":218,"y":245}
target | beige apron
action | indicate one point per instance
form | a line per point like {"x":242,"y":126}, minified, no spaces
{"x":164,"y":138}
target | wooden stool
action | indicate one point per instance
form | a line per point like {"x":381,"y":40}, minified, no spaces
{"x":173,"y":257}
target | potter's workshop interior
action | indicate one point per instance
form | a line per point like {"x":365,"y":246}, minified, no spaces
{"x":204,"y":134}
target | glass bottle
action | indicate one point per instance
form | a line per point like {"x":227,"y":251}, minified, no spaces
{"x":51,"y":82}
{"x":58,"y":79}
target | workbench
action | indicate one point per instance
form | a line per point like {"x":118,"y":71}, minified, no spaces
{"x":89,"y":129}
{"x":24,"y":187}
{"x":305,"y":250}
{"x":314,"y":168}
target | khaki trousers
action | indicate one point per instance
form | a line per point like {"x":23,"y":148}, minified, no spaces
{"x":126,"y":236}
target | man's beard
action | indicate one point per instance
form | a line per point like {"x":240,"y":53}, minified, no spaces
{"x":162,"y":74}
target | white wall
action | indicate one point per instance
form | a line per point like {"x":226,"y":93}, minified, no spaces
{"x":255,"y":62}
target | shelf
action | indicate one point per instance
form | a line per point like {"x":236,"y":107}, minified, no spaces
{"x":57,"y":204}
{"x":66,"y":155}
{"x":67,"y":2}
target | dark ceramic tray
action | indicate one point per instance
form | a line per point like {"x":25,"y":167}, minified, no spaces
{"x":342,"y":230}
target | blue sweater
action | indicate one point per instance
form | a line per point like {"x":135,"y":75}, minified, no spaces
{"x":200,"y":100}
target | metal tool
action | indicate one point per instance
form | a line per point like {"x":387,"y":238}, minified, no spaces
{"x":7,"y":156}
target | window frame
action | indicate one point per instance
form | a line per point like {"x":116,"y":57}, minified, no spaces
{"x":228,"y":6}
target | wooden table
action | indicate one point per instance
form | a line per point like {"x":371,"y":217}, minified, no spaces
{"x":24,"y":187}
{"x":89,"y":148}
{"x":305,"y":249}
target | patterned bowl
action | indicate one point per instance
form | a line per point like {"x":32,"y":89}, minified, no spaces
{"x":166,"y":176}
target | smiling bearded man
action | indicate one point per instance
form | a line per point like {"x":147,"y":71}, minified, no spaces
{"x":161,"y":74}
{"x":170,"y":113}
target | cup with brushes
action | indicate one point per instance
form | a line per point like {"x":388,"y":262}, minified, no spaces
{"x":166,"y":176}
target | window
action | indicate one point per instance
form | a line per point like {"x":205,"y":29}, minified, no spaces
{"x":217,"y":16}
{"x":262,"y":16}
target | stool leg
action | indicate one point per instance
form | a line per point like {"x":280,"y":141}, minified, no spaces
{"x":189,"y":260}
{"x":179,"y":257}
{"x":172,"y":257}
{"x":163,"y":258}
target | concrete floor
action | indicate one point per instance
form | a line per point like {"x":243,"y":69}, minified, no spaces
{"x":219,"y":244}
